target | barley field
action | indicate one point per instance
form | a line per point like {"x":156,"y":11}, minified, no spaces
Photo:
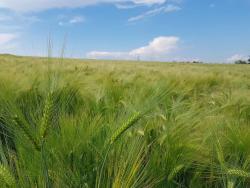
{"x":118,"y":124}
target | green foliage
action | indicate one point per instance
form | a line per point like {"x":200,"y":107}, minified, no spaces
{"x":6,"y":177}
{"x":123,"y":124}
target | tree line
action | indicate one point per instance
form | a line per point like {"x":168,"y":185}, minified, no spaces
{"x":240,"y":61}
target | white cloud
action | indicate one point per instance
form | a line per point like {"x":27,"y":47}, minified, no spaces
{"x":12,"y":21}
{"x":4,"y":18}
{"x":39,"y":5}
{"x":158,"y":49}
{"x":159,"y":46}
{"x":6,"y":37}
{"x":148,"y":2}
{"x":7,"y":42}
{"x":126,"y":6}
{"x":135,"y":3}
{"x":164,"y":9}
{"x":70,"y":21}
{"x":77,"y":19}
{"x":236,"y":57}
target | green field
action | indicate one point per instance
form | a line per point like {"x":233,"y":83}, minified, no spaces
{"x":102,"y":124}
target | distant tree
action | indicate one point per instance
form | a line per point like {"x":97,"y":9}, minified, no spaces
{"x":197,"y":62}
{"x":240,"y":62}
{"x":248,"y":60}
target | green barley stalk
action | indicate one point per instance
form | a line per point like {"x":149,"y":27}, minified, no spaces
{"x":46,"y":116}
{"x":129,"y":123}
{"x":26,"y":131}
{"x":230,"y":184}
{"x":6,"y":176}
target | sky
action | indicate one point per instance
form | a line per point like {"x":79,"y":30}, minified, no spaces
{"x":153,"y":30}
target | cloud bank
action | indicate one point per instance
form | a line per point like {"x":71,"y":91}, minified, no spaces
{"x":158,"y":49}
{"x":40,"y":5}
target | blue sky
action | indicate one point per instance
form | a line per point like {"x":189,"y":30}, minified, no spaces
{"x":162,"y":30}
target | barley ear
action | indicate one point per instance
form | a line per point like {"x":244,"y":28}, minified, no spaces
{"x":129,"y":123}
{"x":27,"y":133}
{"x":238,"y":173}
{"x":6,"y":176}
{"x":48,"y":108}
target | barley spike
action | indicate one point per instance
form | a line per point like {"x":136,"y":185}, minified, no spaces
{"x":129,"y":123}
